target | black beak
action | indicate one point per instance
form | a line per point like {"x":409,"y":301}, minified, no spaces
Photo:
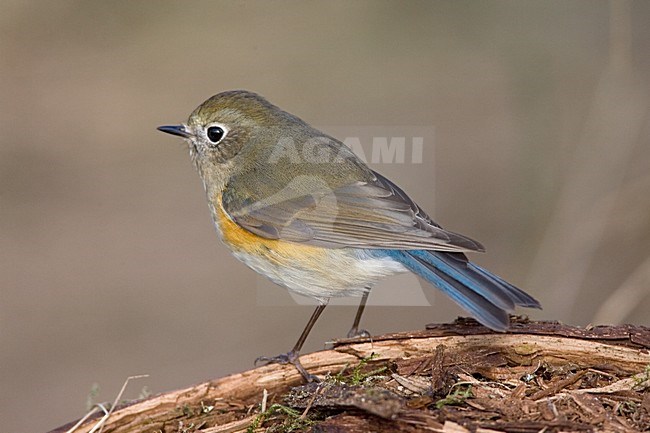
{"x":175,"y":130}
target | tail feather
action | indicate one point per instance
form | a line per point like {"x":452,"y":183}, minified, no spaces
{"x":483,"y":310}
{"x":519,"y":297}
{"x":455,"y":266}
{"x":484,"y":295}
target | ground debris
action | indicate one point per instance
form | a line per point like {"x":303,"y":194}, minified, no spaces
{"x":375,"y":400}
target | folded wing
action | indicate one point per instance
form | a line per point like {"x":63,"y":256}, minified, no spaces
{"x":373,"y":214}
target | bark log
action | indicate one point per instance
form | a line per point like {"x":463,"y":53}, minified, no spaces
{"x":449,"y":378}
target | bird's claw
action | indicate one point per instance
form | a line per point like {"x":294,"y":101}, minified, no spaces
{"x":292,"y":358}
{"x":283,"y":358}
{"x":358,"y":333}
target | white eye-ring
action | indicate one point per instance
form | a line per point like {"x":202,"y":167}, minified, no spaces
{"x":216,"y":132}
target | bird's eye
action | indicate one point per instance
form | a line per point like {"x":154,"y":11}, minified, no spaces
{"x":215,"y":134}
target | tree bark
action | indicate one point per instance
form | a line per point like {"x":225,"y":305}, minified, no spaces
{"x":448,"y":378}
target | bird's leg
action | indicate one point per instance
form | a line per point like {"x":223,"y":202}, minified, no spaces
{"x":355,"y":331}
{"x":292,"y":357}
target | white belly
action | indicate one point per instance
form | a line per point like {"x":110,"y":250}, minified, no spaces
{"x":343,"y":272}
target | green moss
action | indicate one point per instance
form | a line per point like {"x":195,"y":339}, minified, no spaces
{"x":294,"y":421}
{"x":458,"y":394}
{"x":357,"y":376}
{"x":641,"y":378}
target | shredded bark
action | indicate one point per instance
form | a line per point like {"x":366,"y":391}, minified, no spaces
{"x":460,"y":377}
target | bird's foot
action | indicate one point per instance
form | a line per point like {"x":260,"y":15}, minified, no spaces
{"x":358,"y":333}
{"x":292,"y":358}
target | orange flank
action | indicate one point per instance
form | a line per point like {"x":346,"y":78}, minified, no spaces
{"x":240,"y":239}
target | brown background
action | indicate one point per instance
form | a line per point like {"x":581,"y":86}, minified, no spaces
{"x":109,"y":266}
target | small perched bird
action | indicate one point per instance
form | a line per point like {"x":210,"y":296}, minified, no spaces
{"x":299,"y":207}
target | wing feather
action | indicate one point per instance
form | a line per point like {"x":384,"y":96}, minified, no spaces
{"x":375,"y":214}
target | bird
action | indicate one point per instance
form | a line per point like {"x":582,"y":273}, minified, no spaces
{"x":299,"y":207}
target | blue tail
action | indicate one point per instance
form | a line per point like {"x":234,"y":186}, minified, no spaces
{"x":484,"y":295}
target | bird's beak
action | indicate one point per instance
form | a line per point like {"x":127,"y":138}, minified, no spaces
{"x":179,"y":130}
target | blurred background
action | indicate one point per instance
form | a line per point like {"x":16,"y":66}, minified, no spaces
{"x":109,"y":264}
